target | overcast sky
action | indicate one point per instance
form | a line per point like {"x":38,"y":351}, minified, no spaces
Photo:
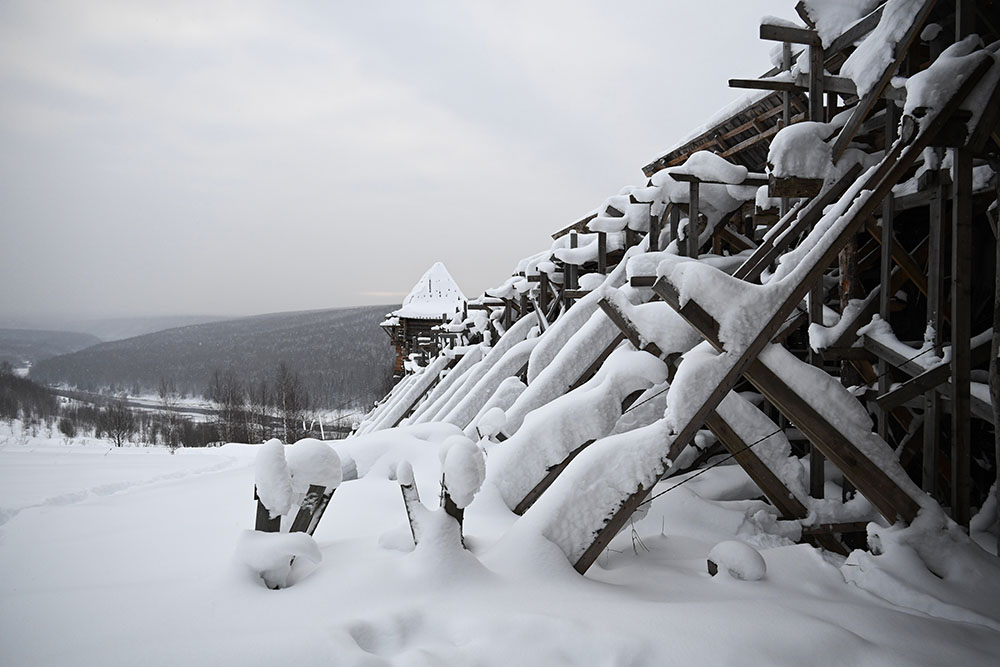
{"x":238,"y":158}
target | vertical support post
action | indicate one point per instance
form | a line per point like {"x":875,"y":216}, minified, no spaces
{"x":602,"y":252}
{"x":570,"y":271}
{"x":935,"y":321}
{"x":817,"y":113}
{"x":675,"y":221}
{"x":543,"y":292}
{"x":654,"y":231}
{"x":885,"y":266}
{"x":691,"y":240}
{"x":995,"y":350}
{"x":961,"y":333}
{"x":786,"y":110}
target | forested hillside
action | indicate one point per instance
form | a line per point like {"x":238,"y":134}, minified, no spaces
{"x":20,"y":346}
{"x":341,"y":355}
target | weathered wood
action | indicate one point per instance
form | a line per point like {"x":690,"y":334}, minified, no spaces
{"x":411,"y":500}
{"x":263,"y":521}
{"x":777,"y":493}
{"x":898,"y":254}
{"x":793,"y":186}
{"x":691,"y":237}
{"x":753,"y":179}
{"x":621,"y":321}
{"x":602,"y":252}
{"x":782,"y":33}
{"x":798,"y":220}
{"x":929,"y":379}
{"x":935,"y":288}
{"x":867,"y":103}
{"x":961,"y":333}
{"x":978,"y":407}
{"x":304,"y":517}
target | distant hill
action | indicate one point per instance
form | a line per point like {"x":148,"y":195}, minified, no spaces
{"x":28,"y":346}
{"x":341,"y":355}
{"x":106,"y":328}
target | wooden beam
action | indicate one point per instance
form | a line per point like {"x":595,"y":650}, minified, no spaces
{"x":961,"y":333}
{"x":793,"y":186}
{"x":929,"y":379}
{"x":782,"y":33}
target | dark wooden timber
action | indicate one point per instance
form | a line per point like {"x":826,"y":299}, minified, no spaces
{"x":929,"y":379}
{"x":304,"y":517}
{"x":264,"y":522}
{"x":961,"y":333}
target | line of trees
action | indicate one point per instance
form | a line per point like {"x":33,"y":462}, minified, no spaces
{"x":42,"y":414}
{"x":254,"y":411}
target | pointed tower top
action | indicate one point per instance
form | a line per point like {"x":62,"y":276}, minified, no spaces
{"x":435,"y":295}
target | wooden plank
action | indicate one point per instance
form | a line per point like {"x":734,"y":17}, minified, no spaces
{"x":793,"y":186}
{"x":797,"y":221}
{"x":782,"y":33}
{"x":691,"y":237}
{"x":772,"y":486}
{"x":756,"y":180}
{"x":620,"y":320}
{"x":304,"y":517}
{"x":929,"y":379}
{"x":935,"y":288}
{"x":779,"y":85}
{"x":867,"y":103}
{"x":978,"y":407}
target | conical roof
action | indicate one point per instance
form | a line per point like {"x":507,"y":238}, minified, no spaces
{"x":435,"y":295}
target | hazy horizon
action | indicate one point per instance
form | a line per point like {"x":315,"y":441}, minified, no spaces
{"x":237,"y":159}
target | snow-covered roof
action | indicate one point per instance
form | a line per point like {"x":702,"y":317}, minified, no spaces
{"x":435,"y":295}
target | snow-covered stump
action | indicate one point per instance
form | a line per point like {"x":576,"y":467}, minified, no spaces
{"x":463,"y":471}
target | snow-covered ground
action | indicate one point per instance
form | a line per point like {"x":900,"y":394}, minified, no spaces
{"x":126,"y":556}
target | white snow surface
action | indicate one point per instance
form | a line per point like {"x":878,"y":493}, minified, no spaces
{"x":106,"y":552}
{"x":464,"y":470}
{"x":312,"y":461}
{"x":274,"y":484}
{"x":875,"y":53}
{"x":833,"y":18}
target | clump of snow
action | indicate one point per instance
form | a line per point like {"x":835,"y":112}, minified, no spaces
{"x":491,"y":422}
{"x":931,"y":566}
{"x":274,"y":485}
{"x":832,"y":19}
{"x":930,"y":32}
{"x":874,"y":55}
{"x":404,"y":473}
{"x":708,"y":166}
{"x":464,"y":470}
{"x":933,"y":87}
{"x":312,"y":462}
{"x":801,"y":150}
{"x":269,"y":555}
{"x":739,"y":560}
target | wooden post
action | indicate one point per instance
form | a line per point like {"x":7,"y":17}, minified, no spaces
{"x":654,"y":231}
{"x":691,"y":240}
{"x":543,"y":292}
{"x":602,"y":252}
{"x":675,"y":220}
{"x":264,"y":522}
{"x":995,"y":351}
{"x":885,"y":266}
{"x":935,"y":286}
{"x":786,"y":111}
{"x":961,"y":334}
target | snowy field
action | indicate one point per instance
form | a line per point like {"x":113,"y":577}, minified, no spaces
{"x":126,"y":556}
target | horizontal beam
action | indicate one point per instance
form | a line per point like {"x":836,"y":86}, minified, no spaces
{"x":783,"y":33}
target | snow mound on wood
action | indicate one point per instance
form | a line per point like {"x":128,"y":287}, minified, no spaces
{"x":274,"y":486}
{"x":739,"y":560}
{"x":312,"y":462}
{"x":464,"y":470}
{"x":269,"y":555}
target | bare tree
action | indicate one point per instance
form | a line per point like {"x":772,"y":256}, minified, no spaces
{"x":119,"y":422}
{"x":230,"y":398}
{"x":291,"y":402}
